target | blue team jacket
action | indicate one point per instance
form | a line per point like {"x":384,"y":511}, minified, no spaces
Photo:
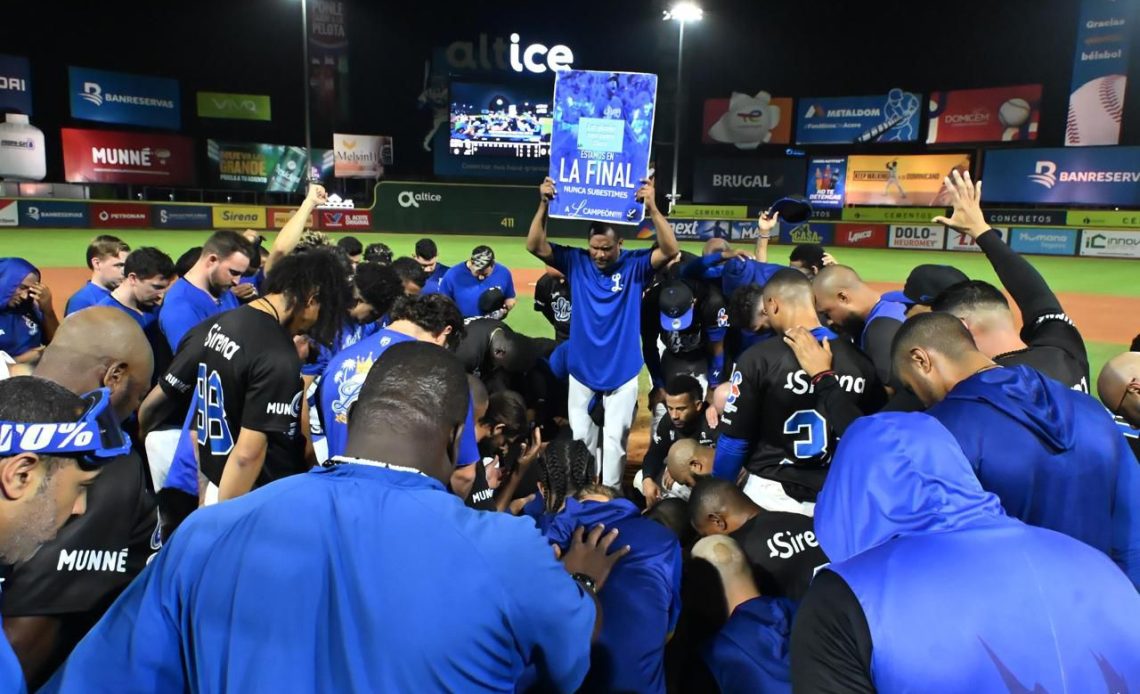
{"x":958,"y":596}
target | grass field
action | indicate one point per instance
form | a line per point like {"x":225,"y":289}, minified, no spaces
{"x":1089,"y":278}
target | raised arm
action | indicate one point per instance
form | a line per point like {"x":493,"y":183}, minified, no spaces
{"x":667,"y":247}
{"x":765,"y":225}
{"x":536,"y":242}
{"x":290,"y":234}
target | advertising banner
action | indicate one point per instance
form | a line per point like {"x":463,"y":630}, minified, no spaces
{"x":745,"y":231}
{"x":843,"y":120}
{"x":361,"y":156}
{"x":280,"y":216}
{"x":234,"y":106}
{"x":961,"y":241}
{"x":239,"y":217}
{"x":915,"y":179}
{"x":119,"y":215}
{"x":1102,"y":218}
{"x":897,"y":215}
{"x":23,"y":156}
{"x":346,"y":219}
{"x":1028,"y":217}
{"x":684,"y":229}
{"x":328,"y":62}
{"x":118,"y":97}
{"x":821,"y":234}
{"x":711,"y":211}
{"x":999,"y":114}
{"x":262,"y":167}
{"x":15,"y":84}
{"x":9,"y":215}
{"x":743,"y":181}
{"x":1044,"y":241}
{"x":102,"y":156}
{"x":748,"y":121}
{"x":1100,"y":69}
{"x":1110,"y":244}
{"x":461,"y":208}
{"x":825,"y":182}
{"x":1087,"y":176}
{"x":598,"y":161}
{"x":861,"y":235}
{"x":50,"y":213}
{"x":929,"y":238}
{"x":181,"y":217}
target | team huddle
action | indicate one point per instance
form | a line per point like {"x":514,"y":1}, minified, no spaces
{"x":316,"y":466}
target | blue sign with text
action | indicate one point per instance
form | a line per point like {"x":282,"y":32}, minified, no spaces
{"x":1078,"y":176}
{"x":15,"y":84}
{"x":1044,"y":241}
{"x":181,"y":217}
{"x":117,"y":97}
{"x":599,"y":149}
{"x":48,"y":213}
{"x":891,"y":117}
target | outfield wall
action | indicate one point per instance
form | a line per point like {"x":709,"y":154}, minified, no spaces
{"x":506,"y":210}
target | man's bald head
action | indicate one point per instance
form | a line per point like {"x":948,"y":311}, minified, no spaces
{"x":836,"y":277}
{"x":932,"y":352}
{"x":725,"y":555}
{"x":688,"y":460}
{"x":1119,"y":386}
{"x":719,"y":507}
{"x":715,"y":246}
{"x":101,"y":346}
{"x":842,"y":295}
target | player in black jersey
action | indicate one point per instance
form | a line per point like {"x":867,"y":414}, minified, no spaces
{"x":552,"y":299}
{"x":1048,"y":341}
{"x":775,"y":423}
{"x":245,"y":368}
{"x":685,"y":419}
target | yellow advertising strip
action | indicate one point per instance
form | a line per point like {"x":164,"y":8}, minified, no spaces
{"x":710,"y":212}
{"x":911,"y":215}
{"x":1129,"y":219}
{"x":239,"y":217}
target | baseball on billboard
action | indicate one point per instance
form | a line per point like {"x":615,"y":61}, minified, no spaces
{"x":599,"y":149}
{"x":1001,"y":114}
{"x":1100,"y":69}
{"x":748,"y":121}
{"x":915,"y":179}
{"x":890,"y":117}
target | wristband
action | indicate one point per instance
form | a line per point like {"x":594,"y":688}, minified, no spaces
{"x":586,"y":582}
{"x":820,"y":376}
{"x":762,"y":237}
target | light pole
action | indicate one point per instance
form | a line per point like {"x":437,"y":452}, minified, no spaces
{"x":682,"y":13}
{"x":305,"y":74}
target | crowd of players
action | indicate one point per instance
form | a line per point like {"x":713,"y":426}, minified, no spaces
{"x":343,"y":471}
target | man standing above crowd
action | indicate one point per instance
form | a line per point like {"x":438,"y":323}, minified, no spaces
{"x":467,"y":283}
{"x":604,"y":347}
{"x":106,"y":256}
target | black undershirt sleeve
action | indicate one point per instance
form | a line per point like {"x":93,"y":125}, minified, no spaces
{"x":831,"y":642}
{"x":654,"y":463}
{"x":1027,"y":287}
{"x":880,"y":334}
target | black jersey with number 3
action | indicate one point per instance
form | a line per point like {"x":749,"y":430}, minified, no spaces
{"x":775,"y":408}
{"x":247,"y":375}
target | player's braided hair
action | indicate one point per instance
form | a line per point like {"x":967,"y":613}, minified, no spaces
{"x":565,"y":469}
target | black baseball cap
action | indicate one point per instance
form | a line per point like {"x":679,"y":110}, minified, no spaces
{"x":676,"y":306}
{"x":926,"y":282}
{"x":793,"y":209}
{"x":491,"y":301}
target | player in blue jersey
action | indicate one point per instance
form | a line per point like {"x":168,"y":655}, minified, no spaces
{"x":467,"y":282}
{"x":427,"y":255}
{"x":204,"y":291}
{"x":106,"y":256}
{"x":1053,"y":455}
{"x":27,"y":316}
{"x":852,"y":306}
{"x":147,"y":275}
{"x":604,"y":353}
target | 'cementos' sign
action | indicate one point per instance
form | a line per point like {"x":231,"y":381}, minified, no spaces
{"x":1044,"y":241}
{"x":15,"y":84}
{"x":46,"y":213}
{"x":117,"y":97}
{"x":181,"y":217}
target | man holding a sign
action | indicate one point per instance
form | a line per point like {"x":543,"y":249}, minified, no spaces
{"x":605,"y":325}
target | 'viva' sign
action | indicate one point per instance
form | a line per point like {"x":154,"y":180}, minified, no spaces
{"x":234,"y":106}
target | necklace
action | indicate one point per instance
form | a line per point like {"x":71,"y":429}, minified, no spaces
{"x":276,"y":315}
{"x":342,"y":459}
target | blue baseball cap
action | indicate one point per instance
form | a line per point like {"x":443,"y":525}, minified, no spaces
{"x":676,"y":306}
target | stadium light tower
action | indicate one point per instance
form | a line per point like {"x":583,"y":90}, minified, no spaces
{"x":305,"y":92}
{"x":682,"y":13}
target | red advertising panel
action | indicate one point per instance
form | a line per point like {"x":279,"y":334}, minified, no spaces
{"x":346,"y":219}
{"x":861,"y":235}
{"x":103,"y":156}
{"x":119,"y":215}
{"x":1000,"y":114}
